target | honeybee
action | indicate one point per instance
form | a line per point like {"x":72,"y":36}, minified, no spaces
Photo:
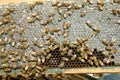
{"x":73,"y":57}
{"x":62,"y":64}
{"x":43,"y":22}
{"x":2,"y":49}
{"x":13,"y":59}
{"x":39,"y":18}
{"x":39,"y":2}
{"x":89,"y":24}
{"x":33,"y":59}
{"x":90,"y":62}
{"x":84,"y":3}
{"x":30,"y":20}
{"x":21,"y":30}
{"x":70,"y":6}
{"x":5,"y":65}
{"x":96,"y":63}
{"x":36,"y":43}
{"x":94,"y":34}
{"x":60,"y":4}
{"x":83,"y":13}
{"x":1,"y":23}
{"x":6,"y":19}
{"x":77,"y":7}
{"x":43,"y":33}
{"x":5,"y":13}
{"x":12,"y":27}
{"x":112,"y":42}
{"x":4,"y":61}
{"x":10,"y":9}
{"x":109,"y":48}
{"x":118,"y":11}
{"x":4,"y":30}
{"x":105,"y":42}
{"x":90,"y":1}
{"x":32,"y":5}
{"x":66,"y":25}
{"x":8,"y":70}
{"x":100,"y":62}
{"x":96,"y":29}
{"x":13,"y":43}
{"x":55,"y":29}
{"x":66,"y":34}
{"x":12,"y":32}
{"x":65,"y":59}
{"x":55,"y":3}
{"x":100,"y":2}
{"x":48,"y":56}
{"x":70,"y":12}
{"x":114,"y":11}
{"x":48,"y":43}
{"x":51,"y":14}
{"x":60,"y":18}
{"x":100,"y":7}
{"x":12,"y":21}
{"x":81,"y":59}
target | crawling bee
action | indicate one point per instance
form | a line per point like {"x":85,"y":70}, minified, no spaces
{"x":55,"y":29}
{"x":60,"y":4}
{"x":36,"y":43}
{"x":65,"y":59}
{"x":84,"y":3}
{"x":4,"y":30}
{"x":39,"y":2}
{"x":89,"y":24}
{"x":77,"y":7}
{"x":51,"y":14}
{"x":48,"y":56}
{"x":12,"y":27}
{"x":100,"y":2}
{"x":66,"y":25}
{"x":60,"y":18}
{"x":73,"y":57}
{"x":100,"y":7}
{"x":4,"y":61}
{"x":1,"y":23}
{"x":112,"y":42}
{"x":90,"y":62}
{"x":10,"y":9}
{"x":43,"y":22}
{"x":32,"y":5}
{"x":39,"y":18}
{"x":100,"y":62}
{"x":81,"y":59}
{"x":96,"y":29}
{"x":114,"y":11}
{"x":105,"y":42}
{"x":55,"y":3}
{"x":30,"y":20}
{"x":83,"y":13}
{"x":5,"y":13}
{"x":43,"y":33}
{"x":90,"y":1}
{"x":49,"y":19}
{"x":21,"y":30}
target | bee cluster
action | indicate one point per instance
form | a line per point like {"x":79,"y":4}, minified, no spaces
{"x":33,"y":59}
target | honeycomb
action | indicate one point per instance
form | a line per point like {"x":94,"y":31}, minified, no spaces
{"x":40,"y":35}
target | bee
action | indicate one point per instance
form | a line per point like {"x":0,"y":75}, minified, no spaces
{"x":65,"y":15}
{"x":90,"y":62}
{"x":43,"y":33}
{"x":116,"y":1}
{"x":36,"y":43}
{"x":55,"y":29}
{"x":39,"y":18}
{"x":13,"y":59}
{"x":49,"y":19}
{"x":66,"y":34}
{"x":43,"y":51}
{"x":5,"y":13}
{"x":112,"y":42}
{"x":12,"y":27}
{"x":109,"y":48}
{"x":65,"y":59}
{"x":4,"y":30}
{"x":113,"y":51}
{"x":60,"y":18}
{"x":89,"y":23}
{"x":100,"y":62}
{"x":55,"y":3}
{"x":32,"y":59}
{"x":71,"y":44}
{"x":2,"y":49}
{"x":10,"y":9}
{"x":60,"y":4}
{"x":55,"y":46}
{"x":60,"y":11}
{"x":48,"y":56}
{"x":81,"y":59}
{"x":32,"y":5}
{"x":73,"y":57}
{"x":70,"y":52}
{"x":1,"y":23}
{"x":83,"y":13}
{"x":94,"y":34}
{"x":106,"y":54}
{"x":85,"y":56}
{"x":39,"y":2}
{"x":105,"y":42}
{"x":118,"y":22}
{"x":62,"y":64}
{"x":114,"y":11}
{"x":90,"y":1}
{"x":70,"y":6}
{"x":48,"y":43}
{"x":96,"y":29}
{"x":11,"y":33}
{"x":65,"y":49}
{"x":66,"y":25}
{"x":100,"y":2}
{"x":43,"y":22}
{"x":118,"y":11}
{"x":13,"y":43}
{"x":30,"y":20}
{"x":51,"y":14}
{"x":66,"y":4}
{"x":100,"y":7}
{"x":5,"y":65}
{"x":12,"y":21}
{"x":8,"y":70}
{"x":23,"y":39}
{"x":6,"y":19}
{"x":84,"y":3}
{"x":5,"y":60}
{"x":77,"y":7}
{"x":70,"y":12}
{"x":96,"y":63}
{"x":14,"y":66}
